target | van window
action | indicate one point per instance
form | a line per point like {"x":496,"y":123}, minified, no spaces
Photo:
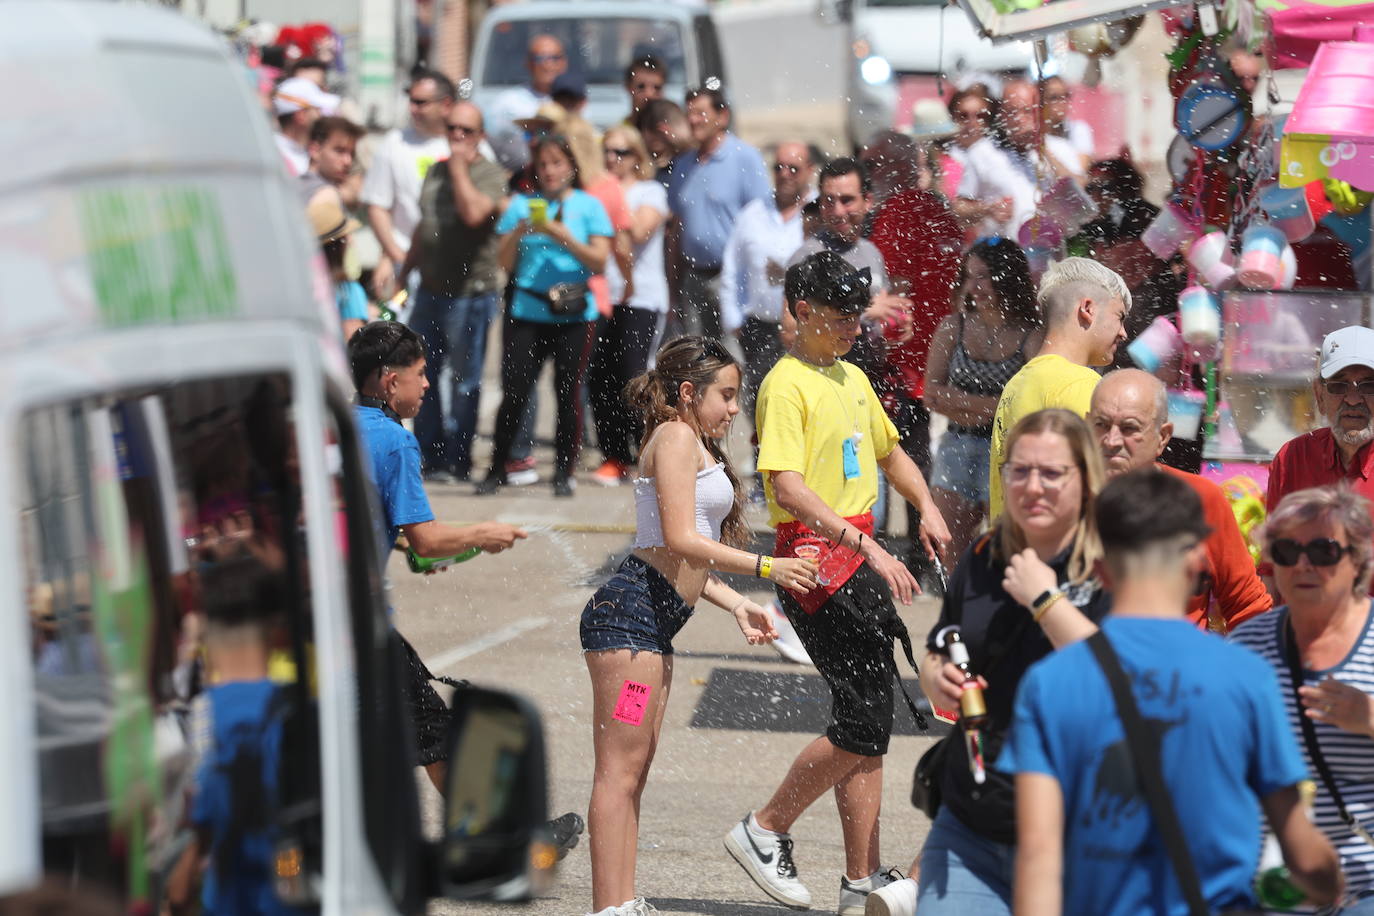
{"x":599,"y":49}
{"x":169,"y":607}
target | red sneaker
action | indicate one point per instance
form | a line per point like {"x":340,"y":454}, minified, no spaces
{"x":611,"y":473}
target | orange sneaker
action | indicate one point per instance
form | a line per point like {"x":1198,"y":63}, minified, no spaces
{"x":611,"y":473}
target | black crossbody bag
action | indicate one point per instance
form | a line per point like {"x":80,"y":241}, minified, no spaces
{"x":1145,"y":754}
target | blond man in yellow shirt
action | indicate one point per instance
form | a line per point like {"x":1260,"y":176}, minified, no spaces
{"x":1084,"y":305}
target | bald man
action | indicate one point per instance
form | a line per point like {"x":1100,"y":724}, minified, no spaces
{"x":1130,"y":417}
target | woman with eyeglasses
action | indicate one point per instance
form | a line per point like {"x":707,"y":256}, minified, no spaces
{"x":552,"y":244}
{"x":1018,"y":593}
{"x":625,"y":339}
{"x":994,"y":329}
{"x":1321,"y":645}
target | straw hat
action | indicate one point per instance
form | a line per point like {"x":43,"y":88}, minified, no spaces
{"x":327,"y":215}
{"x":930,"y":120}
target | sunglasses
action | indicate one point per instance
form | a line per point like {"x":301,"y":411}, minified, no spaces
{"x":546,"y":58}
{"x":1341,"y":389}
{"x":618,"y":153}
{"x":1322,"y":551}
{"x":420,"y":103}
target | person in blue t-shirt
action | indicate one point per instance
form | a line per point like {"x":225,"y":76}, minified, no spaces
{"x":388,"y":363}
{"x":551,"y":245}
{"x":1087,"y":841}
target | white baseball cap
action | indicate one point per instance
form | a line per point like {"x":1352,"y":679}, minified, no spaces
{"x":298,"y":93}
{"x":1352,"y":346}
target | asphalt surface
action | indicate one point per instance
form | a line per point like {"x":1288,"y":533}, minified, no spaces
{"x":737,"y":716}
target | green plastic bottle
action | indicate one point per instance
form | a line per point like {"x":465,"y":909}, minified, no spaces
{"x":1276,"y":891}
{"x":419,"y":564}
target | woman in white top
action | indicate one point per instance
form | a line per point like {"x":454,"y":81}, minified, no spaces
{"x":625,"y":339}
{"x":689,"y":526}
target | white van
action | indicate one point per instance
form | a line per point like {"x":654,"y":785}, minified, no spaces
{"x":173,"y":394}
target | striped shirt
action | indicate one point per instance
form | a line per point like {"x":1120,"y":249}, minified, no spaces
{"x":1350,"y":756}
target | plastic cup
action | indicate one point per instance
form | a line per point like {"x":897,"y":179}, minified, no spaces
{"x":1185,"y":412}
{"x":1199,"y":317}
{"x":1261,"y":257}
{"x":1211,"y":257}
{"x":1169,"y":230}
{"x":812,"y":552}
{"x":1289,"y":260}
{"x":1156,"y":345}
{"x":1289,"y":212}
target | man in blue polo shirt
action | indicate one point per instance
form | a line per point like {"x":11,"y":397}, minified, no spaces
{"x":707,"y":189}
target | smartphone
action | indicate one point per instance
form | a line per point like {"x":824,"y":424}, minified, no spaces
{"x":539,"y":211}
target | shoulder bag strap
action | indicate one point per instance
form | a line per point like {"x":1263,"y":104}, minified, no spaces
{"x":1145,"y":753}
{"x":1309,"y":731}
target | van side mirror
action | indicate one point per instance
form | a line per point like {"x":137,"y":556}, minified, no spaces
{"x":834,"y":12}
{"x":495,"y":843}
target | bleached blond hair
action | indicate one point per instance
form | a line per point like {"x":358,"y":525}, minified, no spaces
{"x":1071,"y":280}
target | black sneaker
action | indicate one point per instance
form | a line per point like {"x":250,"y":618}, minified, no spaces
{"x":566,"y":831}
{"x":490,"y":485}
{"x":564,"y":486}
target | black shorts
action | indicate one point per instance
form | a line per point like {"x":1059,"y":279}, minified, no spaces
{"x":850,"y":641}
{"x":428,"y":712}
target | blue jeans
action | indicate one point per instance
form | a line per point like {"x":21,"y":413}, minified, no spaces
{"x":963,"y":873}
{"x":454,"y":329}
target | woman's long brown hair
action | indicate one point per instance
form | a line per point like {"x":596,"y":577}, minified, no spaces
{"x":656,"y":394}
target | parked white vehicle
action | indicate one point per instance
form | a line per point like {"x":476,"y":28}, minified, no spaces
{"x":173,"y":394}
{"x":890,"y":39}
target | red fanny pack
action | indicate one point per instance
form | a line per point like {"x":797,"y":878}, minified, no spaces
{"x":837,"y":563}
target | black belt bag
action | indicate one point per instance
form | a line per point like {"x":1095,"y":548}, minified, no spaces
{"x":562,"y":298}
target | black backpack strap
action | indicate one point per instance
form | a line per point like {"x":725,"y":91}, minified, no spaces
{"x":1309,"y":731}
{"x":1145,"y":754}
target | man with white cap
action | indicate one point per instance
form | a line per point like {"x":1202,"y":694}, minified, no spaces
{"x":1344,"y":395}
{"x":299,"y":103}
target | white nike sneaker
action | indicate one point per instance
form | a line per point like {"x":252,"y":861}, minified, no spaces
{"x":768,"y":860}
{"x":854,"y":894}
{"x":897,"y":899}
{"x":788,"y":644}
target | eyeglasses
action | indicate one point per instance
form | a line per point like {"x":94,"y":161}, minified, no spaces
{"x":546,"y":58}
{"x":619,"y":153}
{"x":1052,"y":477}
{"x":1322,"y":551}
{"x":463,"y":130}
{"x":1341,"y":389}
{"x":788,"y":167}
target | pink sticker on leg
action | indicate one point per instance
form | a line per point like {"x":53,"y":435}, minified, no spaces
{"x":634,"y":699}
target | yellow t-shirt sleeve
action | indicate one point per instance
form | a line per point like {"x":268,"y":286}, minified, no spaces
{"x":782,"y":429}
{"x":881,"y":430}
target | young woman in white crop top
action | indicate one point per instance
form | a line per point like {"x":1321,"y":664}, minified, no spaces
{"x":690,"y":525}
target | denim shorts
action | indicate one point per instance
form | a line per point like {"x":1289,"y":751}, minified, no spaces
{"x":637,"y":609}
{"x":961,"y":465}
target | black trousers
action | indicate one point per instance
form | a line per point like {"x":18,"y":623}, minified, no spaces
{"x":526,"y":345}
{"x":762,"y":345}
{"x":623,"y":344}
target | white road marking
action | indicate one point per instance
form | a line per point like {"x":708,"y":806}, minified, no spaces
{"x":495,"y":638}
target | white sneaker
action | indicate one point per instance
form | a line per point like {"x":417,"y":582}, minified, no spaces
{"x":640,"y":907}
{"x":628,"y":908}
{"x":768,"y":860}
{"x":897,"y":899}
{"x":788,"y":644}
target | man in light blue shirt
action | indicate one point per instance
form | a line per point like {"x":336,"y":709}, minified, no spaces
{"x":707,"y":190}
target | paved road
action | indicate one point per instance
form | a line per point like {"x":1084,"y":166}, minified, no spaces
{"x":737,"y":717}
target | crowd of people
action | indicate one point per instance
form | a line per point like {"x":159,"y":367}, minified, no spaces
{"x":837,"y":306}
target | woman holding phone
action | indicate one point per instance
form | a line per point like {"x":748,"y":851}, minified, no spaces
{"x":552,"y":243}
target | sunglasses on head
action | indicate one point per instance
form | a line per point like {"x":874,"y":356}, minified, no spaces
{"x":1321,"y":552}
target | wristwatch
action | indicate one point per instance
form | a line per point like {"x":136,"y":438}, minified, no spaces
{"x":1043,"y":602}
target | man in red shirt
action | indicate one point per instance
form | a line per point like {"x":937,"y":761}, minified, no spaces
{"x":1344,"y":394}
{"x":1130,"y":417}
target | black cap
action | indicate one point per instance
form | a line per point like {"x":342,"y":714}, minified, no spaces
{"x":828,"y":279}
{"x":569,"y":84}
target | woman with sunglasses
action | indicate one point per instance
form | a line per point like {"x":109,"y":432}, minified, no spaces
{"x":626,"y":338}
{"x":1018,"y":593}
{"x":552,"y":244}
{"x":1319,"y":542}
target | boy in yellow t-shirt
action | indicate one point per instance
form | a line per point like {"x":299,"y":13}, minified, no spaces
{"x":1085,"y":306}
{"x":823,"y":437}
